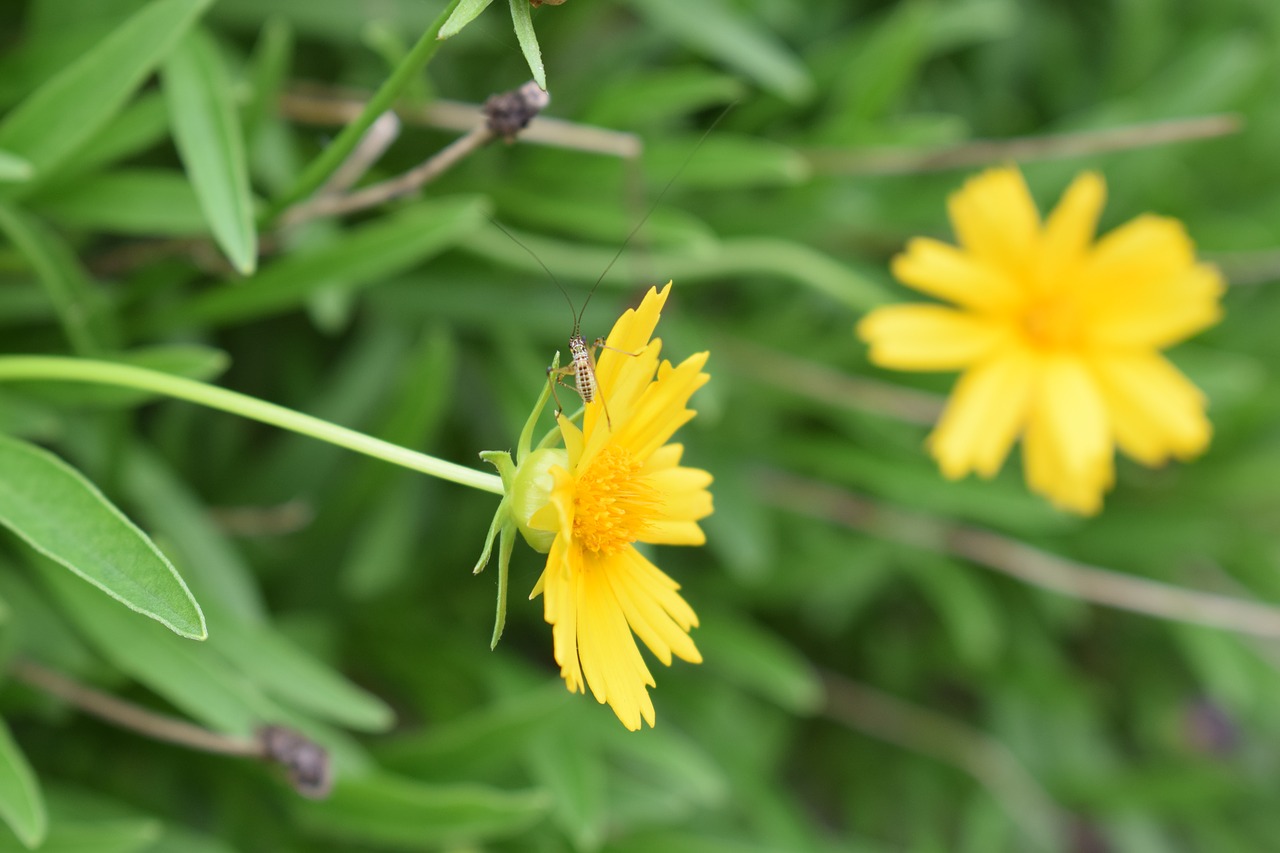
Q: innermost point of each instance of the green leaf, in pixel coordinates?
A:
(140, 126)
(194, 677)
(14, 168)
(154, 202)
(40, 631)
(715, 29)
(465, 13)
(528, 39)
(21, 803)
(661, 95)
(186, 674)
(62, 515)
(496, 732)
(212, 564)
(388, 810)
(363, 256)
(286, 672)
(760, 662)
(573, 772)
(206, 130)
(78, 305)
(273, 56)
(725, 161)
(83, 97)
(119, 835)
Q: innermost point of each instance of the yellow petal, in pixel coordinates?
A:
(984, 415)
(996, 219)
(1148, 249)
(611, 662)
(661, 409)
(1156, 412)
(1157, 313)
(645, 605)
(572, 440)
(666, 456)
(684, 492)
(1069, 230)
(630, 335)
(619, 390)
(930, 337)
(1068, 452)
(946, 272)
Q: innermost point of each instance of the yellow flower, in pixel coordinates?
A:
(1059, 336)
(618, 482)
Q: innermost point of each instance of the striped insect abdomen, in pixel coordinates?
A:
(583, 372)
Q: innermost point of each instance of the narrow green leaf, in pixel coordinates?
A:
(714, 28)
(496, 732)
(389, 810)
(63, 516)
(573, 772)
(140, 126)
(466, 12)
(760, 662)
(76, 103)
(528, 39)
(171, 509)
(119, 835)
(194, 677)
(206, 130)
(273, 55)
(151, 202)
(21, 803)
(78, 305)
(728, 162)
(361, 257)
(14, 168)
(660, 96)
(186, 674)
(40, 631)
(175, 839)
(286, 672)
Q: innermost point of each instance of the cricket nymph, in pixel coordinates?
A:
(584, 373)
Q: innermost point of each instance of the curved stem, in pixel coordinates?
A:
(64, 369)
(332, 157)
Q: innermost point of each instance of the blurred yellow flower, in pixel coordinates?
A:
(621, 483)
(1058, 336)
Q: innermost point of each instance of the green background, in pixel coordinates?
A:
(869, 684)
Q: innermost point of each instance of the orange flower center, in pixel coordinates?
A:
(1053, 322)
(613, 503)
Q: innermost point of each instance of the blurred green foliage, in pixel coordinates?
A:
(864, 689)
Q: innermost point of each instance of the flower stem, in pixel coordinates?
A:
(333, 156)
(64, 369)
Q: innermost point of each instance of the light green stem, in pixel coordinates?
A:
(63, 369)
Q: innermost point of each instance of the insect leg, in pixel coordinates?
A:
(555, 376)
(599, 343)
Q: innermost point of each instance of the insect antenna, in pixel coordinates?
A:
(577, 315)
(636, 230)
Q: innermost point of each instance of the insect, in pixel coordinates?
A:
(582, 356)
(582, 364)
